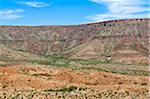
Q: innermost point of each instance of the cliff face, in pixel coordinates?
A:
(95, 40)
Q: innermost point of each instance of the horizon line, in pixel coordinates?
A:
(88, 23)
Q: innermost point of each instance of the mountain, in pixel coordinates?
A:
(118, 40)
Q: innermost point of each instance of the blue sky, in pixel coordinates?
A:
(69, 12)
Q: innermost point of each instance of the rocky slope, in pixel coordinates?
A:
(118, 39)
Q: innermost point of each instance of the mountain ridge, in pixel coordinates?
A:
(88, 23)
(97, 40)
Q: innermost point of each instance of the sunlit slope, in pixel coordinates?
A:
(8, 55)
(118, 39)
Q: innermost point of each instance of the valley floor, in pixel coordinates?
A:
(76, 82)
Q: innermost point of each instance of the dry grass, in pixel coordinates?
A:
(18, 81)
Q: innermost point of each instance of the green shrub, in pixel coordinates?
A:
(70, 89)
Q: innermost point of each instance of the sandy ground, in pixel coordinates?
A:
(45, 82)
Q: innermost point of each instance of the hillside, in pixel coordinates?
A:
(118, 39)
(105, 60)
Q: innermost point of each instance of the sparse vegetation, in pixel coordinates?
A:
(94, 61)
(70, 89)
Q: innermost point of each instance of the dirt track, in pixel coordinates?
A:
(47, 81)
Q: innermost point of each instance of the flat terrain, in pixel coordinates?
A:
(49, 82)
